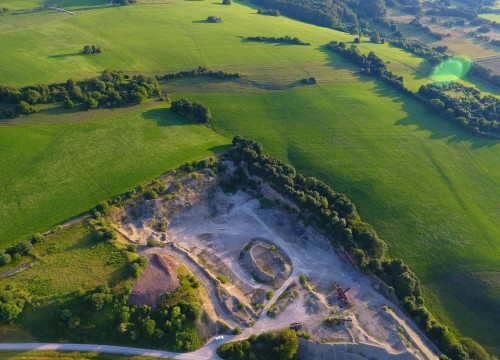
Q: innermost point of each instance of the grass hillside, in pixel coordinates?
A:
(55, 166)
(430, 193)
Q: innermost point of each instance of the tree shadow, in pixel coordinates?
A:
(425, 120)
(417, 114)
(200, 22)
(219, 148)
(62, 56)
(164, 117)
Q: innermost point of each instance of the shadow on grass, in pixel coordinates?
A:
(417, 114)
(200, 22)
(63, 56)
(164, 117)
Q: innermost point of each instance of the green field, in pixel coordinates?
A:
(55, 273)
(430, 190)
(55, 166)
(491, 17)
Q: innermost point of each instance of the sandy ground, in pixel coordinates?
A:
(158, 278)
(204, 221)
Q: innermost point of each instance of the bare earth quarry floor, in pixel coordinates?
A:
(208, 231)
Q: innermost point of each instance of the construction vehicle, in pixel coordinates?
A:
(342, 293)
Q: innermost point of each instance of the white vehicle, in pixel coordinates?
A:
(219, 338)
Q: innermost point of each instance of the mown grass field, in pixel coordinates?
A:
(430, 190)
(57, 165)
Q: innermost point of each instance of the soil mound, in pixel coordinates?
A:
(158, 278)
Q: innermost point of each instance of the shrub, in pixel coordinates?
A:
(36, 238)
(269, 294)
(102, 207)
(150, 195)
(214, 19)
(132, 248)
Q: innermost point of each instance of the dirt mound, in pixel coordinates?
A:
(158, 278)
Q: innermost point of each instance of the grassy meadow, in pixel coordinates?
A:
(57, 165)
(429, 189)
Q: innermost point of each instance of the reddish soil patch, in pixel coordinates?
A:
(158, 278)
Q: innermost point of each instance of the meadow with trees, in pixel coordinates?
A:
(424, 184)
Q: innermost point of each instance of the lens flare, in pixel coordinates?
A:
(452, 69)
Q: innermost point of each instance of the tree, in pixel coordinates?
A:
(5, 259)
(67, 103)
(149, 327)
(90, 103)
(23, 108)
(375, 37)
(9, 312)
(23, 248)
(289, 344)
(37, 238)
(226, 2)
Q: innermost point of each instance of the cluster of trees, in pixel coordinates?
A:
(410, 6)
(337, 216)
(12, 303)
(272, 12)
(17, 251)
(283, 39)
(479, 114)
(460, 11)
(426, 29)
(485, 73)
(113, 88)
(370, 65)
(309, 81)
(266, 346)
(372, 8)
(327, 13)
(433, 55)
(91, 49)
(201, 71)
(214, 19)
(192, 110)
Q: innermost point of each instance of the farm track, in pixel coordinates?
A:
(16, 270)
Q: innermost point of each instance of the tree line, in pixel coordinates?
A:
(200, 72)
(336, 215)
(270, 345)
(283, 40)
(326, 13)
(475, 113)
(111, 89)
